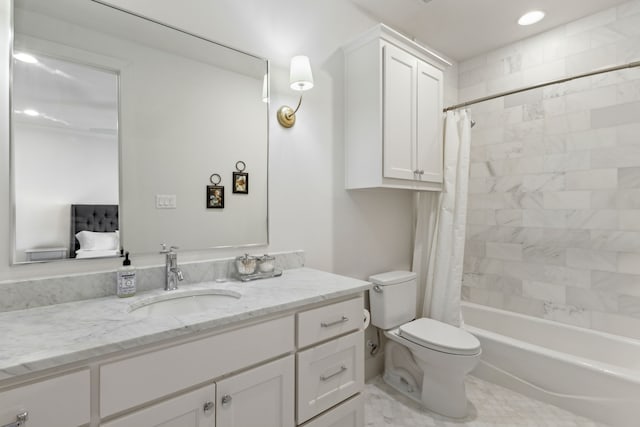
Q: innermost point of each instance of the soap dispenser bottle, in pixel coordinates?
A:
(126, 279)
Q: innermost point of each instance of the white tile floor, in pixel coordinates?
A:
(491, 405)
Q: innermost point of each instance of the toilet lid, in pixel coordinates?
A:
(440, 336)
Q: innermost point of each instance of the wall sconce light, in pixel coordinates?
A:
(300, 79)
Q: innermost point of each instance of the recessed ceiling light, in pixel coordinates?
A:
(25, 57)
(532, 17)
(32, 113)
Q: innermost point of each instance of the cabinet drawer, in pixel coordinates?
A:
(327, 322)
(347, 414)
(187, 410)
(131, 382)
(57, 402)
(328, 374)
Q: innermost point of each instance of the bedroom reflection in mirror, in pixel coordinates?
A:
(65, 159)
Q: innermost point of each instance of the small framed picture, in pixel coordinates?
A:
(215, 197)
(241, 182)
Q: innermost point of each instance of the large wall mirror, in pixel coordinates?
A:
(123, 132)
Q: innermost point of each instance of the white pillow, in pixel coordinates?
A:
(96, 241)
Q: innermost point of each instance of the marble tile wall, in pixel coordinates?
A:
(22, 294)
(554, 204)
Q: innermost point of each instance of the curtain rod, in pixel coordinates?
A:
(539, 85)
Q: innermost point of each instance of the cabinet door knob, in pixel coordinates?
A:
(421, 171)
(21, 420)
(208, 406)
(226, 400)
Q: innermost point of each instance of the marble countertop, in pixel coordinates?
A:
(46, 337)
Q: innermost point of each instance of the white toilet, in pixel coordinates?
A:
(425, 359)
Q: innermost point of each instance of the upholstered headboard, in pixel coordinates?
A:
(102, 218)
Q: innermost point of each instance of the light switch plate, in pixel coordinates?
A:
(166, 201)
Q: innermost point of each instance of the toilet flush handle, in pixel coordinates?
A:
(377, 288)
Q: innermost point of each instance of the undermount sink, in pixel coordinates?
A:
(175, 304)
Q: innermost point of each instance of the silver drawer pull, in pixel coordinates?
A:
(21, 420)
(208, 407)
(328, 377)
(337, 322)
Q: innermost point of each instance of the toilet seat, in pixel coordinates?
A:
(440, 336)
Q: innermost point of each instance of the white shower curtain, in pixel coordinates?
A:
(440, 227)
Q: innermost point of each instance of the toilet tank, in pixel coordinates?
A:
(393, 298)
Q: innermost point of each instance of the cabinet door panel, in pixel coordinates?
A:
(399, 103)
(429, 136)
(186, 410)
(263, 396)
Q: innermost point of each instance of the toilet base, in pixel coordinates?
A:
(445, 395)
(434, 388)
(442, 397)
(400, 384)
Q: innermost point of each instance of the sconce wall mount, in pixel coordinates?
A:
(287, 116)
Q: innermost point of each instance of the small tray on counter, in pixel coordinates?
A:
(259, 275)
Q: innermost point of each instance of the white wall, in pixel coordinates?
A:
(554, 227)
(357, 233)
(59, 168)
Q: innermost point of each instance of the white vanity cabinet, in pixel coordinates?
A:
(56, 402)
(319, 363)
(393, 105)
(297, 367)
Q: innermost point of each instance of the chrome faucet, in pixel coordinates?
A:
(173, 273)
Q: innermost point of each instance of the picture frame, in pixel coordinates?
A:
(215, 197)
(241, 182)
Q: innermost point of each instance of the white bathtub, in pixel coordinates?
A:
(590, 373)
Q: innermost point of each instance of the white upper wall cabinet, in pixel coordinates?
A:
(393, 98)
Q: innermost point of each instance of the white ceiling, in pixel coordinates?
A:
(463, 29)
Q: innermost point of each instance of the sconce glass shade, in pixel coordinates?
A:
(300, 77)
